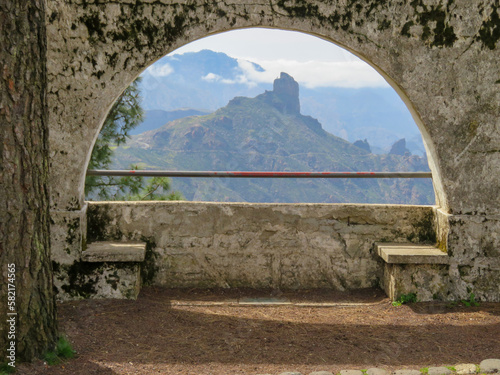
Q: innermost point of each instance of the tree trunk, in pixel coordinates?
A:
(24, 205)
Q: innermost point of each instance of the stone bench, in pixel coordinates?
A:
(115, 268)
(409, 253)
(414, 268)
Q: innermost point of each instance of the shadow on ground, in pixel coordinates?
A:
(170, 331)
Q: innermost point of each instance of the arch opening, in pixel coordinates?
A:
(255, 71)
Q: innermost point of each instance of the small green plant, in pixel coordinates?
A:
(62, 351)
(424, 370)
(51, 358)
(405, 298)
(5, 369)
(471, 301)
(451, 368)
(364, 371)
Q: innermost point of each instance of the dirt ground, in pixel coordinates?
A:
(255, 332)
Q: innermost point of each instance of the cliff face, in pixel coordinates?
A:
(287, 90)
(285, 95)
(399, 148)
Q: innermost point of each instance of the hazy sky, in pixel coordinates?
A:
(271, 44)
(310, 60)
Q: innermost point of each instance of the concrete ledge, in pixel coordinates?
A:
(106, 251)
(405, 253)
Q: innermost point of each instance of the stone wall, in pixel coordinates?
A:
(289, 246)
(441, 56)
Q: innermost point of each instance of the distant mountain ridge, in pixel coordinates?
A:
(200, 80)
(155, 118)
(209, 80)
(269, 133)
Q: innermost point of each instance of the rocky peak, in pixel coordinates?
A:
(399, 148)
(287, 89)
(363, 145)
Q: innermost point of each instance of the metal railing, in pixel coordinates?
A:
(236, 174)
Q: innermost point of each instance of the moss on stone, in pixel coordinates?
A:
(133, 31)
(373, 5)
(436, 31)
(56, 267)
(82, 279)
(442, 246)
(464, 270)
(98, 221)
(473, 126)
(424, 229)
(98, 74)
(112, 59)
(72, 234)
(489, 33)
(221, 13)
(94, 26)
(149, 267)
(74, 203)
(174, 30)
(113, 280)
(299, 8)
(384, 25)
(53, 16)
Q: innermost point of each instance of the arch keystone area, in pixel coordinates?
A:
(442, 58)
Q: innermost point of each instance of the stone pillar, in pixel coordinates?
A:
(68, 239)
(473, 244)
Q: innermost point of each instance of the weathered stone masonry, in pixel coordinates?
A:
(442, 57)
(281, 246)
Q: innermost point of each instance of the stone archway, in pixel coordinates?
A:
(440, 58)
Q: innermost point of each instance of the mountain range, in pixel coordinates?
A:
(269, 133)
(208, 80)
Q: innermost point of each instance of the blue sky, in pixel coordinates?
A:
(312, 61)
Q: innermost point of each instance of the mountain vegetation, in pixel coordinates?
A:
(125, 115)
(208, 80)
(269, 133)
(154, 118)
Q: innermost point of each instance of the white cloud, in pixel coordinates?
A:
(240, 79)
(160, 70)
(263, 43)
(312, 61)
(211, 77)
(311, 74)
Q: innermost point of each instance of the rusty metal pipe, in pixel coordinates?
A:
(237, 174)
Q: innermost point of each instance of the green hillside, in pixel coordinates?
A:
(268, 133)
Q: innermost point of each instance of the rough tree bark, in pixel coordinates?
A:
(24, 206)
